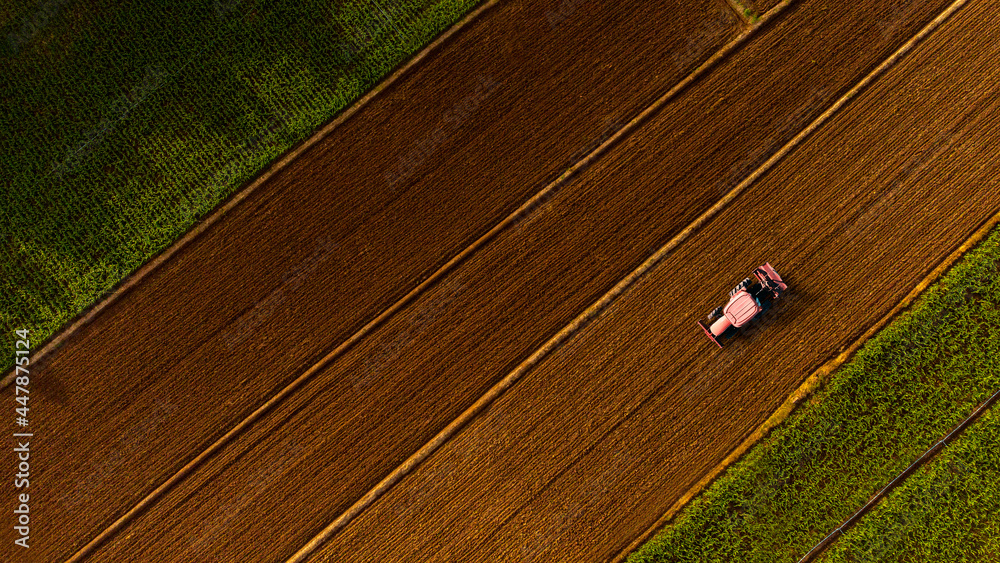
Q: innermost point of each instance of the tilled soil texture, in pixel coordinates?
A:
(333, 240)
(761, 6)
(588, 449)
(376, 404)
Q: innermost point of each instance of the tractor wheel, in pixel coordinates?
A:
(716, 313)
(740, 287)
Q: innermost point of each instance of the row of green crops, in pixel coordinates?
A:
(901, 393)
(124, 122)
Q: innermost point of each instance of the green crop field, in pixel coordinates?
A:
(897, 397)
(947, 511)
(125, 122)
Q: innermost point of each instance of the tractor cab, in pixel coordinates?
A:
(742, 308)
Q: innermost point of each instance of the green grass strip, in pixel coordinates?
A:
(125, 122)
(902, 392)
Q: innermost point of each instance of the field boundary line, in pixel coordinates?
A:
(818, 377)
(581, 320)
(744, 10)
(276, 166)
(899, 479)
(517, 215)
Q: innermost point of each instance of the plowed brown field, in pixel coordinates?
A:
(432, 164)
(593, 444)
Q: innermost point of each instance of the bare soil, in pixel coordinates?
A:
(594, 444)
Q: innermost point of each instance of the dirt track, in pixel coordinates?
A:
(580, 497)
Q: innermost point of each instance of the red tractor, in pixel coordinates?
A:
(747, 300)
